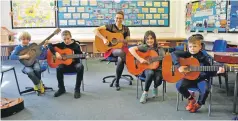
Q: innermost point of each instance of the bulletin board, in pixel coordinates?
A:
(206, 15)
(92, 13)
(232, 16)
(33, 14)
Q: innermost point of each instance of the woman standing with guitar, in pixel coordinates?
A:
(75, 66)
(120, 53)
(150, 43)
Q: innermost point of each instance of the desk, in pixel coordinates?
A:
(232, 54)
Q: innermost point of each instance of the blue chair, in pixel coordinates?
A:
(129, 78)
(44, 66)
(181, 47)
(221, 46)
(74, 73)
(203, 85)
(141, 78)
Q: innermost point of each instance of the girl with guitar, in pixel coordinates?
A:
(194, 50)
(150, 43)
(75, 66)
(118, 27)
(33, 71)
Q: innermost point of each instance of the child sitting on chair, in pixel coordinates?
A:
(34, 71)
(150, 43)
(194, 50)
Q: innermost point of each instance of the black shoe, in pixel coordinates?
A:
(77, 95)
(117, 87)
(59, 92)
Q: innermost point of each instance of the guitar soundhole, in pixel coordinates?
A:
(114, 41)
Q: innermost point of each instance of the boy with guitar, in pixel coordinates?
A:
(194, 50)
(150, 43)
(118, 27)
(33, 71)
(75, 66)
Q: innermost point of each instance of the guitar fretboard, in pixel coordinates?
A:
(208, 68)
(73, 56)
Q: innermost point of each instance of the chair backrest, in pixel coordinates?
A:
(43, 55)
(219, 46)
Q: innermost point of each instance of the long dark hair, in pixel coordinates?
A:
(147, 34)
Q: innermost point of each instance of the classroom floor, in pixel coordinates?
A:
(99, 101)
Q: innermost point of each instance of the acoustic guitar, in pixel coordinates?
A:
(34, 50)
(171, 74)
(67, 57)
(136, 68)
(11, 106)
(116, 40)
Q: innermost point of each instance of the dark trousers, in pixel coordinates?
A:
(120, 63)
(202, 86)
(74, 67)
(151, 75)
(34, 72)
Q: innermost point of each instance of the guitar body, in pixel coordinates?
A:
(172, 78)
(11, 106)
(135, 67)
(113, 39)
(54, 62)
(33, 50)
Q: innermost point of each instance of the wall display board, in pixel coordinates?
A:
(206, 15)
(232, 16)
(33, 13)
(92, 13)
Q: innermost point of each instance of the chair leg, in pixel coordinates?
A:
(137, 85)
(104, 79)
(129, 80)
(86, 64)
(226, 82)
(141, 84)
(48, 69)
(219, 76)
(2, 77)
(111, 85)
(177, 104)
(16, 81)
(163, 88)
(83, 85)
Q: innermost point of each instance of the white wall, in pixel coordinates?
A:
(176, 29)
(176, 22)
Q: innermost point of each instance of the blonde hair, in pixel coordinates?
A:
(194, 39)
(65, 33)
(24, 35)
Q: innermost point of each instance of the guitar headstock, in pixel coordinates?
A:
(57, 31)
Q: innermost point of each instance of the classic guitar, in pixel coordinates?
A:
(67, 57)
(34, 50)
(11, 106)
(171, 74)
(116, 40)
(136, 68)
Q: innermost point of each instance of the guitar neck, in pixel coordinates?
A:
(209, 68)
(42, 43)
(73, 56)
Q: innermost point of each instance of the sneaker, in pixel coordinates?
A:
(117, 87)
(155, 92)
(190, 104)
(36, 88)
(195, 107)
(42, 88)
(77, 95)
(59, 92)
(143, 98)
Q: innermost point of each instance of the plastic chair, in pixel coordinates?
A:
(74, 73)
(142, 77)
(203, 85)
